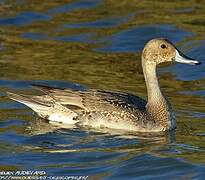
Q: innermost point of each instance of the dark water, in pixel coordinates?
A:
(97, 44)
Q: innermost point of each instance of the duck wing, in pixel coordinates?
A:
(94, 100)
(88, 108)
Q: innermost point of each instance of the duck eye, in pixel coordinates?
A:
(163, 46)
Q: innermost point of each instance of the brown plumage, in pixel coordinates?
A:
(97, 108)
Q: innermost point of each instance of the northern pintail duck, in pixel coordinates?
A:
(97, 108)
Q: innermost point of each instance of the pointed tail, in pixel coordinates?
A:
(34, 103)
(46, 107)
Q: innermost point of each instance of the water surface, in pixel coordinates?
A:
(97, 44)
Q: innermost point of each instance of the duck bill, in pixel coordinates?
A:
(181, 58)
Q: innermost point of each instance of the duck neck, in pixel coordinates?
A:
(153, 90)
(157, 105)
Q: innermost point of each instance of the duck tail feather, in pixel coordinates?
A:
(35, 104)
(45, 89)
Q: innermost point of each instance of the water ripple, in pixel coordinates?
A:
(83, 4)
(24, 18)
(103, 23)
(124, 41)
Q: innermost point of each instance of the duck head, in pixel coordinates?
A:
(160, 50)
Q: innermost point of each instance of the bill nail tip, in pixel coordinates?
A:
(198, 63)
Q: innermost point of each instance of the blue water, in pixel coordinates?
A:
(83, 35)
